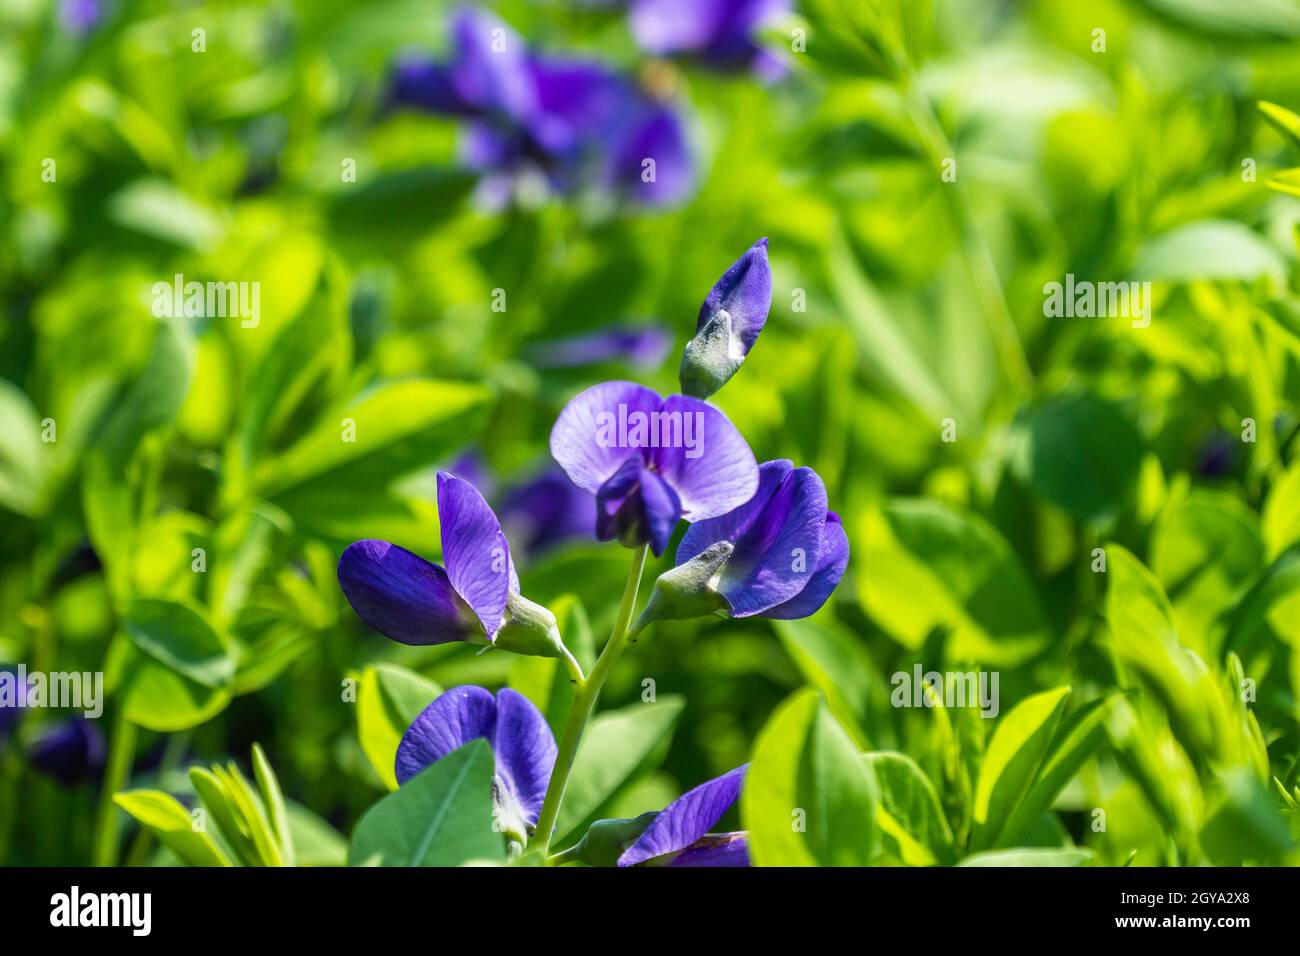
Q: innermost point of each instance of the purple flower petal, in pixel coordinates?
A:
(686, 819)
(653, 133)
(522, 744)
(13, 701)
(662, 27)
(715, 849)
(403, 596)
(635, 506)
(80, 16)
(776, 533)
(720, 32)
(475, 551)
(420, 82)
(490, 70)
(745, 292)
(454, 719)
(546, 511)
(711, 467)
(576, 101)
(525, 751)
(69, 752)
(586, 440)
(644, 347)
(830, 568)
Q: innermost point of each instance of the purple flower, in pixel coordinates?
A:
(731, 316)
(720, 33)
(522, 745)
(567, 122)
(679, 835)
(650, 460)
(643, 347)
(546, 511)
(13, 700)
(787, 551)
(69, 751)
(414, 601)
(79, 17)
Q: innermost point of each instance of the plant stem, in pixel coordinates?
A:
(584, 701)
(121, 751)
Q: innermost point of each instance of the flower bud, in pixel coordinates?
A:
(709, 362)
(605, 840)
(529, 629)
(690, 589)
(730, 319)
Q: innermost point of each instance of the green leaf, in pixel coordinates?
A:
(1246, 826)
(24, 459)
(273, 800)
(389, 698)
(315, 842)
(1280, 516)
(1264, 21)
(809, 797)
(927, 565)
(1145, 641)
(1283, 120)
(171, 669)
(156, 208)
(1029, 856)
(1078, 452)
(181, 638)
(171, 825)
(616, 746)
(1012, 762)
(1205, 551)
(364, 444)
(1076, 741)
(911, 821)
(1207, 250)
(833, 660)
(155, 397)
(214, 790)
(442, 817)
(251, 812)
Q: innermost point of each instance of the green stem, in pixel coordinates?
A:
(570, 855)
(121, 751)
(584, 701)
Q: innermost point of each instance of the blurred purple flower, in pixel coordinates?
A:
(650, 461)
(69, 751)
(13, 700)
(571, 123)
(414, 601)
(79, 17)
(642, 347)
(679, 835)
(719, 33)
(790, 551)
(546, 511)
(522, 745)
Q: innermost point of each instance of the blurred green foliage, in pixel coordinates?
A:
(1113, 530)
